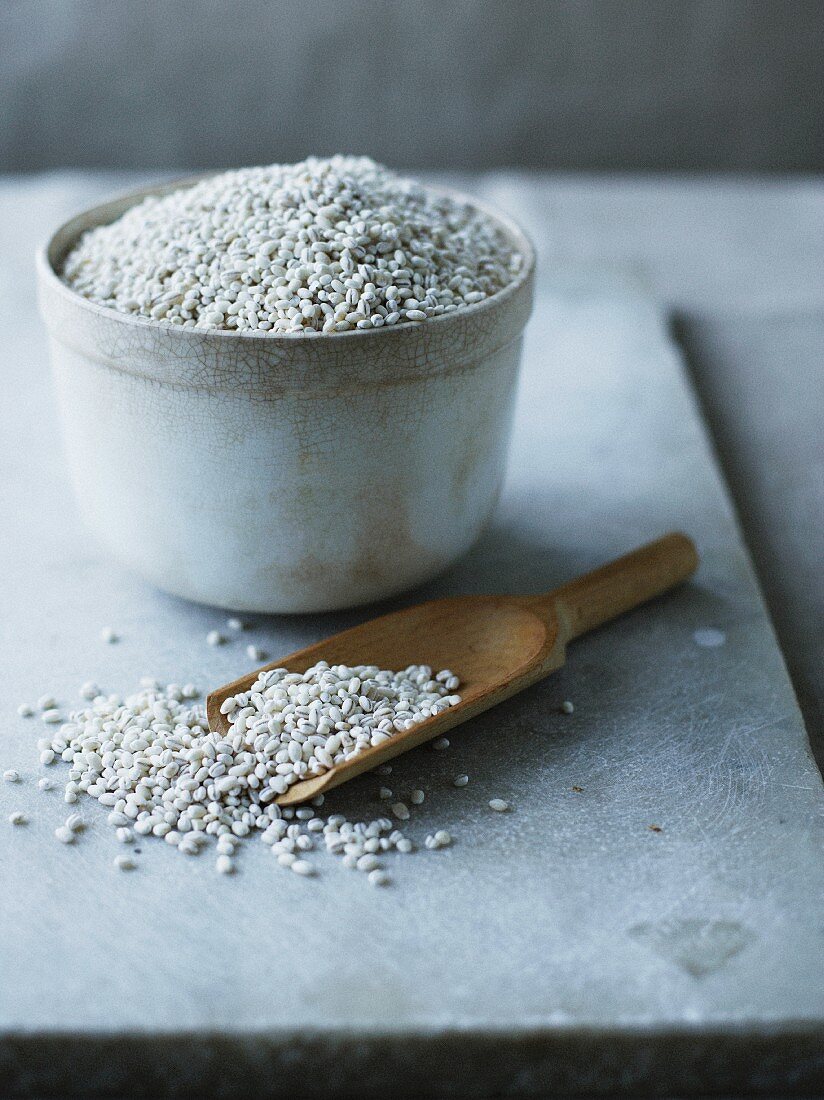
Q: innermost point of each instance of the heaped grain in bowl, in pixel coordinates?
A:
(320, 246)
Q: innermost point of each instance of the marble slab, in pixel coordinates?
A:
(762, 391)
(648, 916)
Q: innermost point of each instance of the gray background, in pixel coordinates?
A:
(584, 84)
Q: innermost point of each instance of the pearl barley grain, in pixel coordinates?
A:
(440, 839)
(214, 637)
(224, 864)
(499, 805)
(326, 245)
(18, 818)
(302, 867)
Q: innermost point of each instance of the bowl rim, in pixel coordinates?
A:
(50, 277)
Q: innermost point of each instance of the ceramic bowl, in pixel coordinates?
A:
(283, 473)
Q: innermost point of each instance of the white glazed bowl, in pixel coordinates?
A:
(284, 473)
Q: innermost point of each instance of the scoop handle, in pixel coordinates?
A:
(596, 598)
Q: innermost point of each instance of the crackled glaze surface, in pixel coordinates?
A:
(284, 473)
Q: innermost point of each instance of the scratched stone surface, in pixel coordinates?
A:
(648, 916)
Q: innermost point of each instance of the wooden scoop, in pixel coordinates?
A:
(497, 645)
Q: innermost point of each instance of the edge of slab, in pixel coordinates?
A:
(687, 1060)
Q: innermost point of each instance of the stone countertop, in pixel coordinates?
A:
(564, 946)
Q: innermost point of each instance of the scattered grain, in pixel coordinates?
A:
(224, 864)
(152, 761)
(302, 867)
(440, 839)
